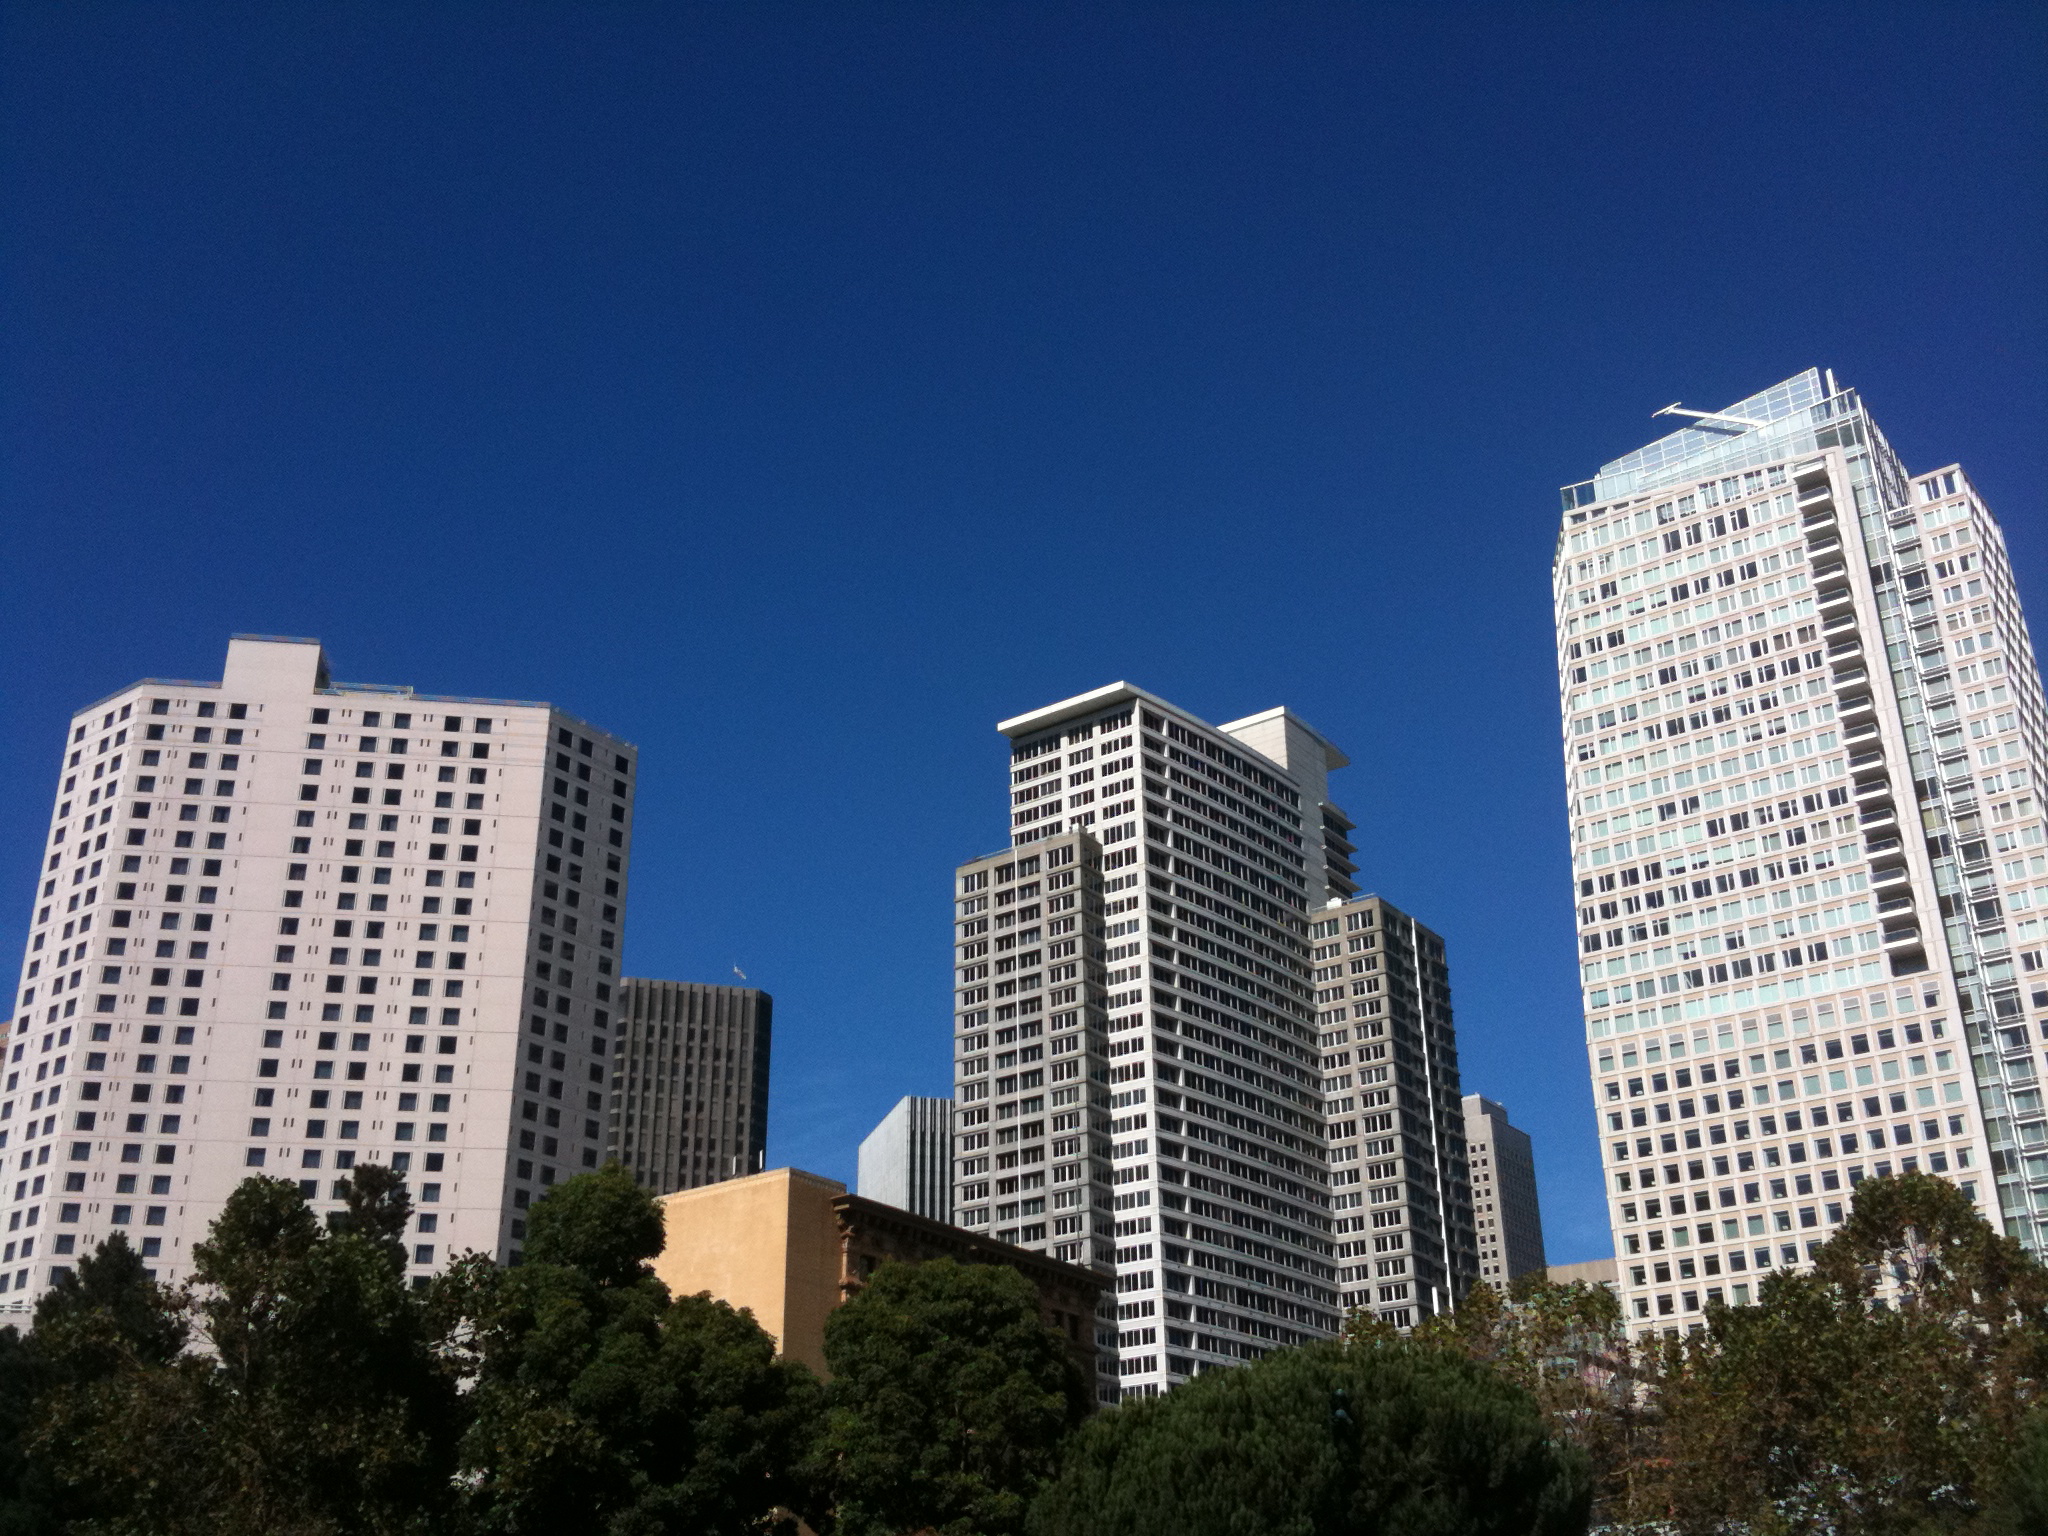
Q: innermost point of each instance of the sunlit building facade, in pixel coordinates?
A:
(1803, 729)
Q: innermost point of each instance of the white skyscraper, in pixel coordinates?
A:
(1139, 1079)
(1804, 734)
(286, 925)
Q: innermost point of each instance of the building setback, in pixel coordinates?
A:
(286, 924)
(907, 1160)
(1507, 1221)
(1804, 732)
(1400, 1192)
(1140, 1082)
(690, 1082)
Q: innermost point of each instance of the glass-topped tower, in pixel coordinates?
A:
(1803, 733)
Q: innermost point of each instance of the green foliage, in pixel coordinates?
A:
(103, 1321)
(948, 1403)
(1887, 1391)
(315, 1407)
(599, 1404)
(298, 1387)
(600, 1223)
(1382, 1439)
(1566, 1347)
(2022, 1508)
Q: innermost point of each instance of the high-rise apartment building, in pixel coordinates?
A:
(689, 1102)
(1505, 1214)
(286, 924)
(1804, 732)
(1140, 1080)
(907, 1160)
(1401, 1203)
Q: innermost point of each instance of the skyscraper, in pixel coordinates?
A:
(1803, 729)
(1504, 1207)
(907, 1160)
(285, 924)
(1400, 1196)
(690, 1082)
(1139, 1072)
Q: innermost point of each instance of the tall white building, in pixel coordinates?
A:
(285, 925)
(1804, 733)
(1139, 1077)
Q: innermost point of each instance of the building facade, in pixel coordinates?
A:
(790, 1247)
(1803, 729)
(907, 1160)
(1139, 1073)
(689, 1101)
(1400, 1191)
(286, 924)
(1507, 1221)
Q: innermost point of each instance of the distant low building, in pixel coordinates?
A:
(907, 1160)
(789, 1246)
(1590, 1272)
(1505, 1215)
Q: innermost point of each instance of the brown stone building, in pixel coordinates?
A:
(790, 1246)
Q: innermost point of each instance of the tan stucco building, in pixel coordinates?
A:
(789, 1246)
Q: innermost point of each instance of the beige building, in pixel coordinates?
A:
(1586, 1272)
(1507, 1221)
(790, 1246)
(285, 925)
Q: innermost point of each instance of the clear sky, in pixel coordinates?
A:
(798, 390)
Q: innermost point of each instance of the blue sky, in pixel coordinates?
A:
(797, 390)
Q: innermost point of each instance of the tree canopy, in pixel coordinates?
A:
(601, 1404)
(1376, 1439)
(948, 1403)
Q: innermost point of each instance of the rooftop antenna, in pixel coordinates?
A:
(1703, 417)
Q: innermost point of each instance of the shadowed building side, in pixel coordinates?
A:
(690, 1082)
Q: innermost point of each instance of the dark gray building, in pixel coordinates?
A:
(1508, 1223)
(690, 1082)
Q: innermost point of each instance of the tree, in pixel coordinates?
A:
(1373, 1439)
(1884, 1392)
(1566, 1346)
(104, 1320)
(948, 1402)
(600, 1404)
(315, 1407)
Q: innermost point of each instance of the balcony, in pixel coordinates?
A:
(1860, 705)
(1880, 820)
(1892, 906)
(1888, 876)
(1874, 791)
(1836, 599)
(1907, 937)
(1822, 491)
(1845, 650)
